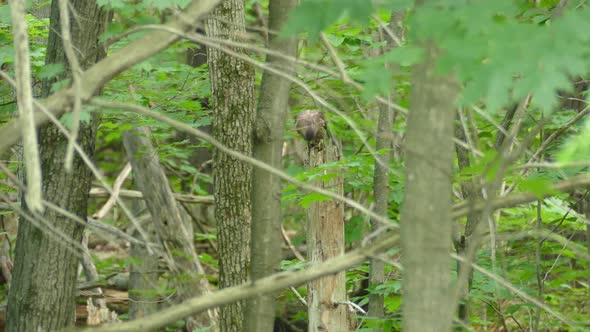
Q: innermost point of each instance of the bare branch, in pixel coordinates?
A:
(24, 96)
(116, 191)
(135, 194)
(66, 38)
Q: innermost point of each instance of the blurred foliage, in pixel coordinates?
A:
(500, 51)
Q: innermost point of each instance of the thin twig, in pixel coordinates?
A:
(388, 30)
(290, 245)
(335, 58)
(66, 38)
(353, 305)
(116, 191)
(299, 297)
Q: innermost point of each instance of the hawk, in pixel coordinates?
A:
(311, 125)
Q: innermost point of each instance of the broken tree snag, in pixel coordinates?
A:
(325, 240)
(170, 223)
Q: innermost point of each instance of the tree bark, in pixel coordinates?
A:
(44, 279)
(426, 214)
(171, 222)
(325, 239)
(266, 188)
(232, 90)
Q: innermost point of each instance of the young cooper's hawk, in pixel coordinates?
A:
(311, 125)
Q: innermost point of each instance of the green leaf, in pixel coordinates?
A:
(358, 10)
(67, 118)
(311, 16)
(353, 229)
(5, 17)
(335, 40)
(51, 70)
(576, 148)
(308, 199)
(60, 84)
(539, 186)
(406, 55)
(378, 80)
(393, 303)
(314, 16)
(397, 5)
(6, 54)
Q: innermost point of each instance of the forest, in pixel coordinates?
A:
(294, 165)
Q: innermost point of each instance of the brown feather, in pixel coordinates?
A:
(311, 125)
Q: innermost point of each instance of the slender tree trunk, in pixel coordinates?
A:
(171, 222)
(326, 297)
(381, 180)
(232, 89)
(575, 100)
(42, 296)
(143, 276)
(426, 222)
(470, 194)
(381, 200)
(266, 188)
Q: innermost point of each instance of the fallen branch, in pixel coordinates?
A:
(262, 286)
(135, 194)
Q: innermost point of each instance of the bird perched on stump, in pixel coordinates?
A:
(311, 125)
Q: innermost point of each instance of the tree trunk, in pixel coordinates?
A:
(470, 194)
(325, 239)
(381, 179)
(426, 223)
(171, 222)
(266, 188)
(143, 276)
(232, 90)
(42, 295)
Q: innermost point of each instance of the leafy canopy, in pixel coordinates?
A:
(498, 50)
